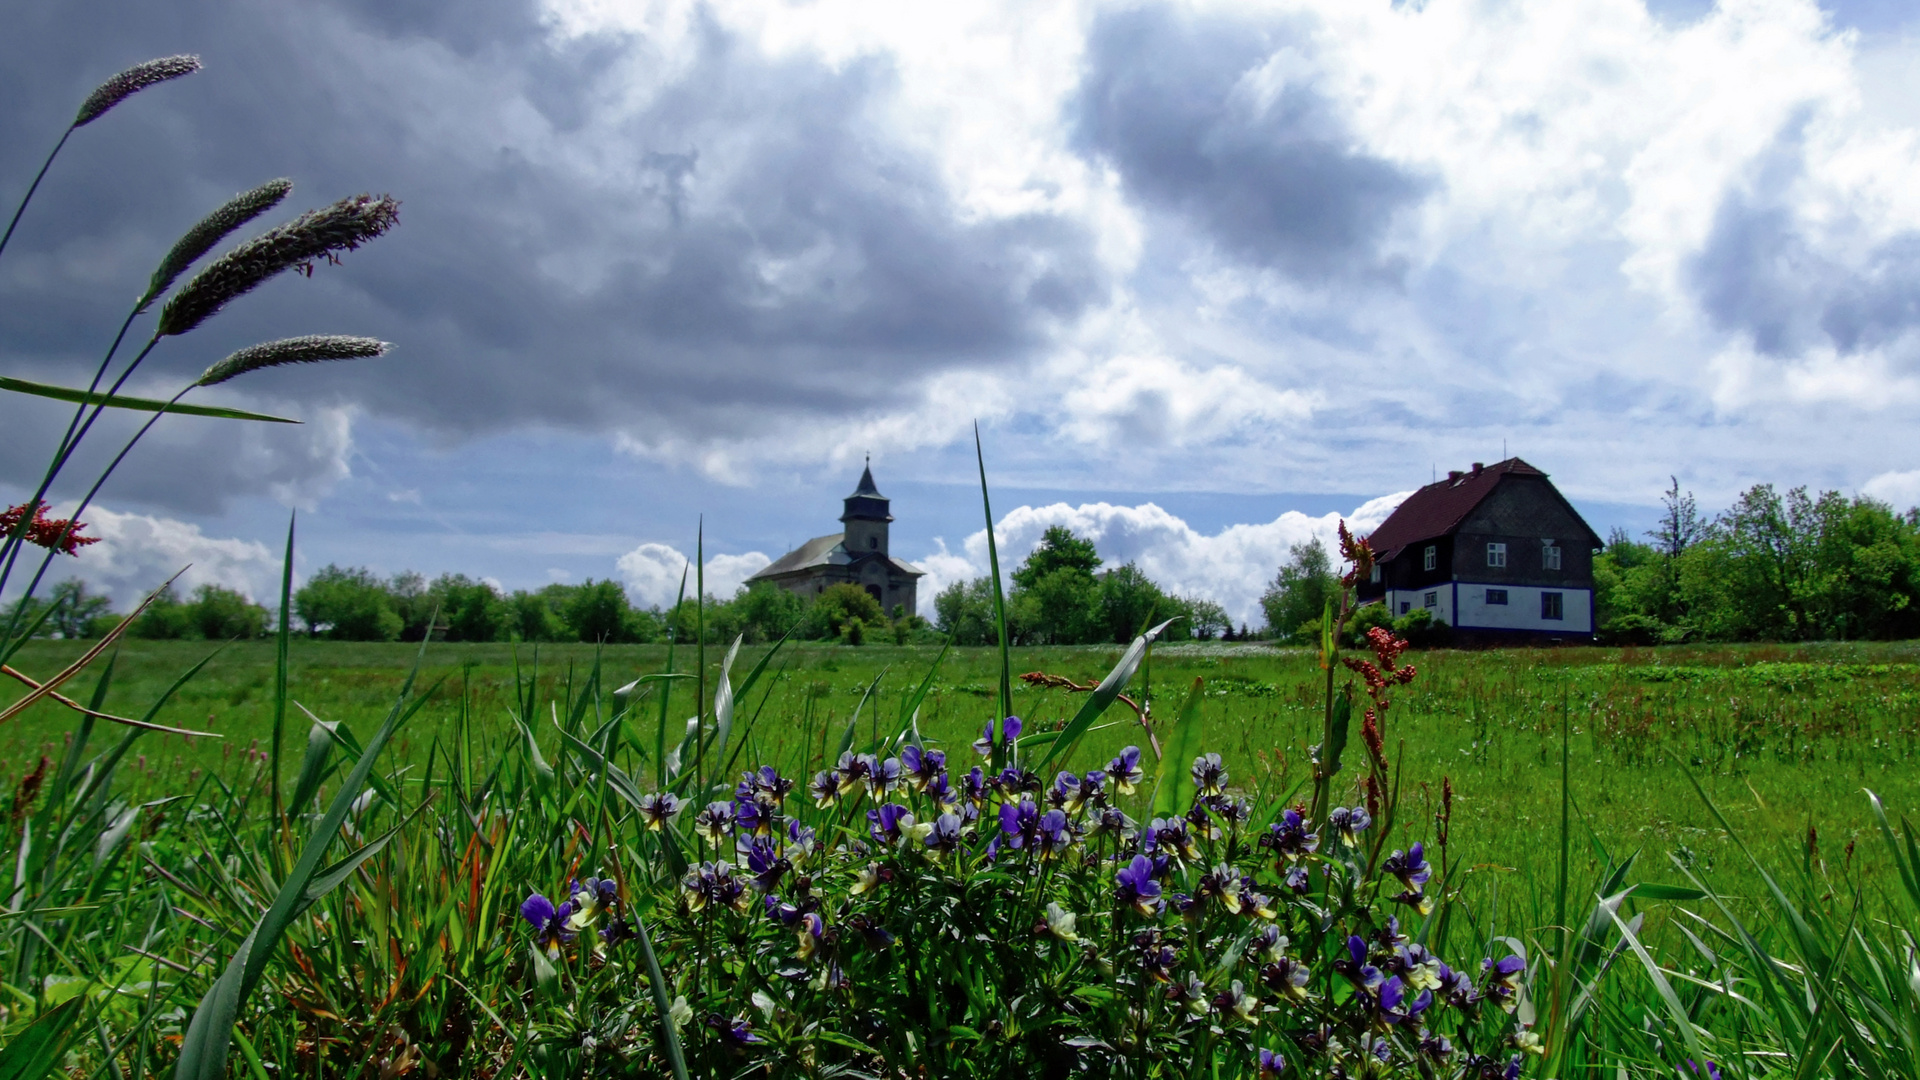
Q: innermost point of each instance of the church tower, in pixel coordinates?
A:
(866, 517)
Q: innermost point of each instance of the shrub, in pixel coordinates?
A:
(1421, 629)
(842, 603)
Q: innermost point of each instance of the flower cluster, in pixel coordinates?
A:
(588, 903)
(54, 534)
(900, 886)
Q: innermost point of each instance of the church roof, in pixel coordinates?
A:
(815, 552)
(866, 484)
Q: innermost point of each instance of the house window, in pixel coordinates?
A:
(1496, 554)
(1433, 556)
(1550, 606)
(1430, 600)
(1497, 596)
(1405, 606)
(1550, 555)
(1375, 576)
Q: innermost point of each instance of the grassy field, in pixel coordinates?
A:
(1784, 739)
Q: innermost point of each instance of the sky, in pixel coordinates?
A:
(1209, 277)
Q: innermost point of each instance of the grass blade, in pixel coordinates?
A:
(122, 401)
(203, 1051)
(1103, 695)
(1173, 786)
(999, 751)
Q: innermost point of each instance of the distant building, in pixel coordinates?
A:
(1496, 553)
(858, 556)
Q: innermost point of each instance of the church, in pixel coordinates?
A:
(857, 556)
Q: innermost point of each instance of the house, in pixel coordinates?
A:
(1496, 552)
(858, 555)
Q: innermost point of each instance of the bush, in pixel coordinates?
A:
(1361, 621)
(840, 604)
(1421, 629)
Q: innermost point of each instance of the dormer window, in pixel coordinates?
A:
(1496, 554)
(1433, 556)
(1549, 555)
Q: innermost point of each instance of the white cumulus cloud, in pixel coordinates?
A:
(1231, 567)
(139, 552)
(652, 573)
(1902, 489)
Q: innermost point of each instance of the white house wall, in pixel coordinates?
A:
(1464, 604)
(1415, 599)
(1522, 609)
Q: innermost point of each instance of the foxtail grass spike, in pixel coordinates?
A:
(132, 81)
(316, 234)
(212, 229)
(310, 349)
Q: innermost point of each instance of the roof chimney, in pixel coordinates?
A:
(1477, 466)
(1453, 475)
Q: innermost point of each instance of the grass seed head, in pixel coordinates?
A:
(132, 81)
(310, 349)
(214, 228)
(316, 234)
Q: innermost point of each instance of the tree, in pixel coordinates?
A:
(221, 614)
(531, 616)
(78, 613)
(1299, 592)
(964, 611)
(347, 605)
(598, 611)
(1059, 607)
(1129, 603)
(1681, 525)
(1059, 550)
(764, 611)
(1207, 620)
(470, 610)
(166, 619)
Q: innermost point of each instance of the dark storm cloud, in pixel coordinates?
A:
(1166, 100)
(746, 248)
(1759, 272)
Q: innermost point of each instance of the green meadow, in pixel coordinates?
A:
(1785, 739)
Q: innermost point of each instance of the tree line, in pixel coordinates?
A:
(1771, 567)
(356, 604)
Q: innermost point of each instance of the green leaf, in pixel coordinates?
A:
(36, 1052)
(1648, 890)
(661, 1002)
(313, 765)
(122, 401)
(1103, 695)
(999, 608)
(723, 703)
(1173, 785)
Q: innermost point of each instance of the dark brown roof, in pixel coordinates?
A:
(1438, 508)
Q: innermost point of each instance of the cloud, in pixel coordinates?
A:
(1901, 489)
(652, 573)
(1231, 567)
(695, 247)
(1219, 120)
(137, 553)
